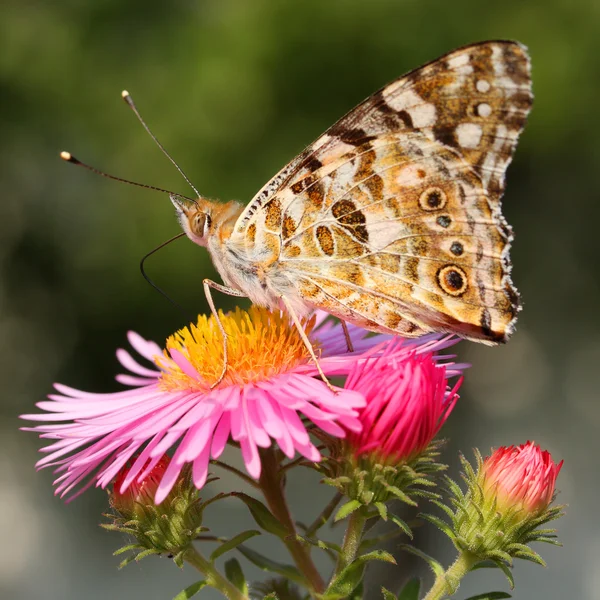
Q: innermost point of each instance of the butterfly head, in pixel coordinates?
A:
(203, 220)
(194, 217)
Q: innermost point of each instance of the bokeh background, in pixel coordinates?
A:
(234, 89)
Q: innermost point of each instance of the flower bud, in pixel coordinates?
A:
(132, 501)
(508, 498)
(393, 455)
(168, 528)
(520, 478)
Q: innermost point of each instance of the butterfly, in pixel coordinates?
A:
(391, 220)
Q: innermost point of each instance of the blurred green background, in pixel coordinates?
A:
(234, 89)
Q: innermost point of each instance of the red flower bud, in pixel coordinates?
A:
(138, 493)
(520, 477)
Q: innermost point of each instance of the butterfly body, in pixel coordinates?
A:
(391, 220)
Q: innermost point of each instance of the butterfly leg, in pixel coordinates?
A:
(306, 341)
(349, 345)
(208, 285)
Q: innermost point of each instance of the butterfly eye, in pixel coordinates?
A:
(198, 224)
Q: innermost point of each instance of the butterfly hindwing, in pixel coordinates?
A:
(392, 219)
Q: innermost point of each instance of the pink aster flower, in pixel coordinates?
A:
(408, 400)
(520, 477)
(270, 384)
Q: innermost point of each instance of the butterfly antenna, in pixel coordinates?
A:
(175, 304)
(68, 157)
(126, 96)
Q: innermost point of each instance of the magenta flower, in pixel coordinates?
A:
(520, 477)
(270, 384)
(408, 400)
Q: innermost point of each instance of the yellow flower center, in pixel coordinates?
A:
(260, 344)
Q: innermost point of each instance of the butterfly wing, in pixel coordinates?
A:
(392, 218)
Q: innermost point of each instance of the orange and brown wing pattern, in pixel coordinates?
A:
(392, 218)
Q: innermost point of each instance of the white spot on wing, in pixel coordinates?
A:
(469, 135)
(422, 113)
(484, 110)
(483, 86)
(458, 61)
(321, 141)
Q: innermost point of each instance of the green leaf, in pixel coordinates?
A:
(345, 582)
(234, 573)
(387, 595)
(350, 577)
(190, 591)
(266, 564)
(377, 555)
(346, 509)
(357, 592)
(435, 566)
(262, 515)
(233, 543)
(490, 596)
(411, 590)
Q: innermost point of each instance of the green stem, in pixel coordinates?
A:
(323, 516)
(352, 539)
(213, 577)
(271, 485)
(447, 583)
(235, 471)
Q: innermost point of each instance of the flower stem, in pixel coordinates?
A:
(213, 577)
(235, 471)
(272, 489)
(352, 539)
(447, 583)
(323, 516)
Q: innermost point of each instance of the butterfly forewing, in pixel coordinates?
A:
(391, 219)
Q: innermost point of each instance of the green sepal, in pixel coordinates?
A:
(235, 575)
(233, 543)
(126, 548)
(496, 564)
(411, 590)
(263, 516)
(350, 578)
(387, 595)
(439, 523)
(266, 564)
(346, 509)
(434, 565)
(191, 590)
(382, 510)
(373, 480)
